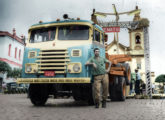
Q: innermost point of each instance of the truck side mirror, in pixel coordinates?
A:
(105, 37)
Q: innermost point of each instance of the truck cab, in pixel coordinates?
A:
(55, 57)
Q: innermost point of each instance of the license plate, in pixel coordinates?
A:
(49, 73)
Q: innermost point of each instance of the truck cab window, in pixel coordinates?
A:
(42, 35)
(73, 32)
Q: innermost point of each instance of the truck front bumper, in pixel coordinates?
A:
(53, 80)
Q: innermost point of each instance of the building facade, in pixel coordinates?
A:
(12, 50)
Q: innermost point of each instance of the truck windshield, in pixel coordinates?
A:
(42, 35)
(74, 32)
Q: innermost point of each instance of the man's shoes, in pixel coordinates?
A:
(103, 104)
(97, 105)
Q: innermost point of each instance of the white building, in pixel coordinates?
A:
(12, 50)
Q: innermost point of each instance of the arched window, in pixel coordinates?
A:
(15, 52)
(137, 39)
(19, 54)
(9, 51)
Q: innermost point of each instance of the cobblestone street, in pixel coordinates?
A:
(18, 107)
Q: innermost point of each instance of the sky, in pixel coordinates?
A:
(21, 14)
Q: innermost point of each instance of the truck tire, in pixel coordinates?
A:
(121, 89)
(76, 94)
(113, 89)
(38, 94)
(127, 73)
(84, 93)
(117, 90)
(91, 100)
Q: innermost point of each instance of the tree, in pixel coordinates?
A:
(160, 79)
(4, 67)
(16, 73)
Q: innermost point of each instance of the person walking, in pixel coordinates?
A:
(131, 87)
(143, 88)
(137, 82)
(100, 77)
(153, 88)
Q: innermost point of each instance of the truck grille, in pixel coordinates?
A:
(53, 60)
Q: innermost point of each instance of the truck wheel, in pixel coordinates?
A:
(112, 89)
(117, 89)
(76, 93)
(38, 94)
(127, 73)
(83, 92)
(121, 89)
(91, 100)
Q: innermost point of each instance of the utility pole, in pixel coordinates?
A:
(147, 62)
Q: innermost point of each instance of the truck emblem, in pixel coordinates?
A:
(53, 44)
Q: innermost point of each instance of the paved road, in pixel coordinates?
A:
(18, 107)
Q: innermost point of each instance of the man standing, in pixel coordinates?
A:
(153, 88)
(100, 77)
(137, 82)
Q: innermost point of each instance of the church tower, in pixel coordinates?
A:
(136, 38)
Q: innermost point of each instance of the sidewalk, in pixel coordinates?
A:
(154, 96)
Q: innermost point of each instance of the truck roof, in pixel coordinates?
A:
(66, 21)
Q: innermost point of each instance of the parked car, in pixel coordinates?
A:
(11, 88)
(21, 88)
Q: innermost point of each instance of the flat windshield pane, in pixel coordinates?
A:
(74, 32)
(42, 35)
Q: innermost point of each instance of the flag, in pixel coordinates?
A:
(134, 12)
(101, 15)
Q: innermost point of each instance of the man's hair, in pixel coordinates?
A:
(96, 49)
(136, 70)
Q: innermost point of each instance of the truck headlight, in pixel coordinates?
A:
(74, 67)
(28, 68)
(31, 68)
